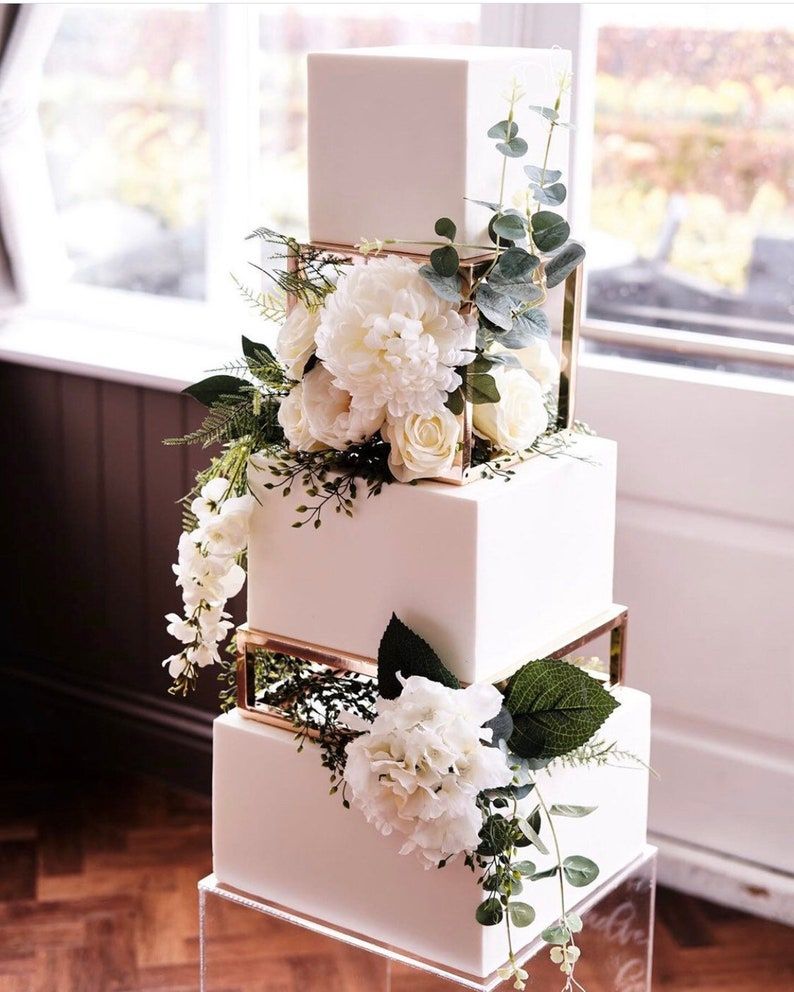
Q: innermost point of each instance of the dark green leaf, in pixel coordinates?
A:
(552, 195)
(556, 707)
(547, 112)
(456, 401)
(447, 287)
(401, 650)
(548, 873)
(521, 914)
(579, 871)
(494, 306)
(501, 725)
(527, 327)
(514, 148)
(496, 835)
(511, 226)
(481, 388)
(542, 177)
(445, 261)
(516, 262)
(525, 868)
(445, 228)
(562, 809)
(210, 390)
(490, 912)
(563, 263)
(549, 230)
(504, 130)
(254, 351)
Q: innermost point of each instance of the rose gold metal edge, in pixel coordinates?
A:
(569, 349)
(616, 627)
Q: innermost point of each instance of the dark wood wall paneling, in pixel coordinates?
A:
(90, 521)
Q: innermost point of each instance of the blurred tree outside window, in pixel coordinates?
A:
(692, 210)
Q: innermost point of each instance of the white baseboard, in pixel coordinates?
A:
(728, 881)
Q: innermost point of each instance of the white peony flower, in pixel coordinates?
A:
(329, 415)
(520, 416)
(226, 532)
(292, 417)
(295, 344)
(423, 445)
(390, 341)
(419, 768)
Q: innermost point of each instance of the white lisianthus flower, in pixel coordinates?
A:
(295, 343)
(292, 417)
(329, 414)
(520, 416)
(181, 628)
(423, 445)
(209, 578)
(226, 532)
(419, 768)
(390, 341)
(214, 624)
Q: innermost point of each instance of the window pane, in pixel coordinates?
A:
(693, 185)
(123, 112)
(287, 32)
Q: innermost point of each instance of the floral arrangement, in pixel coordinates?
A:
(455, 771)
(375, 361)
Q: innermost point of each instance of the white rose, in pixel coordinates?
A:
(539, 360)
(295, 344)
(329, 415)
(422, 763)
(292, 417)
(390, 341)
(423, 445)
(519, 418)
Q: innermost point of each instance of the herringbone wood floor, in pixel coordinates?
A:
(98, 894)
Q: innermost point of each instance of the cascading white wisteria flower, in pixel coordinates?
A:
(209, 575)
(419, 768)
(390, 341)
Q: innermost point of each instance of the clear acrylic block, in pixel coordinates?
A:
(250, 945)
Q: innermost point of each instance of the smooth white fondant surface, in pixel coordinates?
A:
(277, 834)
(398, 137)
(489, 573)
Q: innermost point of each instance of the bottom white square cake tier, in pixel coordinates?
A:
(277, 834)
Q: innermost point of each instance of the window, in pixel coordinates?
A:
(123, 112)
(692, 204)
(170, 130)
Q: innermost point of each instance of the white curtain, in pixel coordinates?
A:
(27, 209)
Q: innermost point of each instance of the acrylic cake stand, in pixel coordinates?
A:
(251, 945)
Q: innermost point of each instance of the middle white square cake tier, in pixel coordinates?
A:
(490, 574)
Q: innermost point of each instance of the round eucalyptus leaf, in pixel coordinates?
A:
(521, 914)
(525, 868)
(514, 148)
(504, 130)
(445, 228)
(549, 230)
(489, 913)
(548, 112)
(447, 287)
(551, 196)
(445, 261)
(540, 176)
(579, 871)
(510, 226)
(516, 262)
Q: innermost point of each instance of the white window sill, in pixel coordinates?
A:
(156, 343)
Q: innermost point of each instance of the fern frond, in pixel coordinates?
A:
(271, 306)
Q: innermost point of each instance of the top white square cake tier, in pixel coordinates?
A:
(491, 574)
(398, 137)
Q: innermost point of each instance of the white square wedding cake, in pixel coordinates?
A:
(428, 535)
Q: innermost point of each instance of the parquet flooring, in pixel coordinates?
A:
(98, 894)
